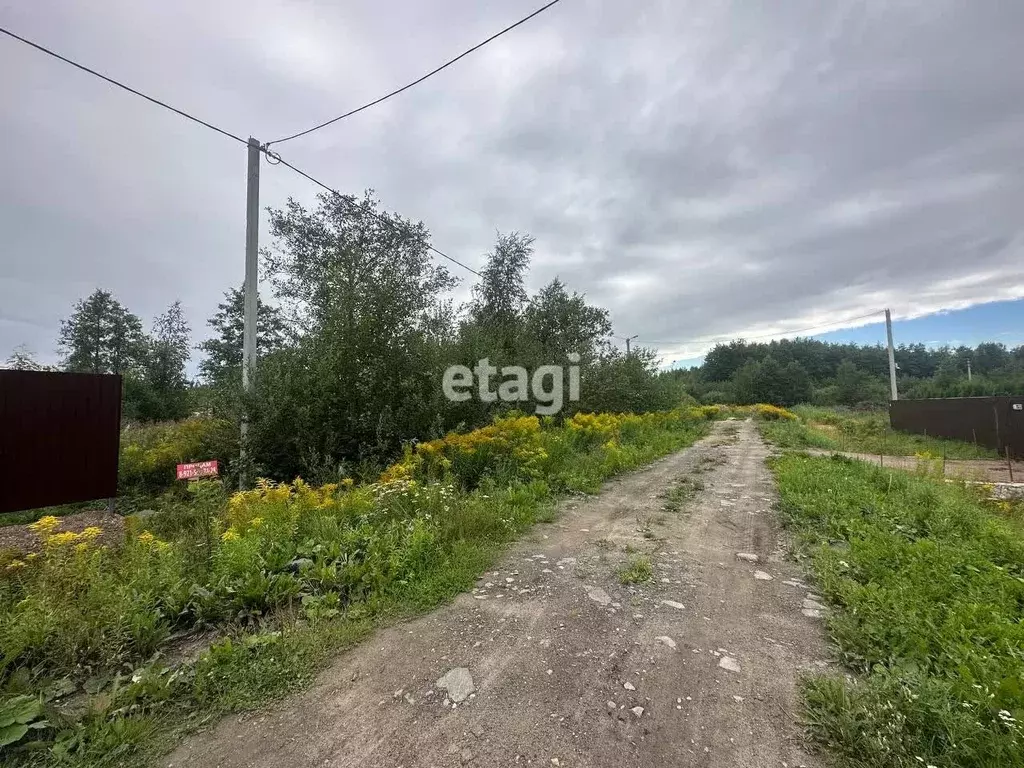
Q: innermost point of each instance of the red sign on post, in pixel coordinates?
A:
(199, 469)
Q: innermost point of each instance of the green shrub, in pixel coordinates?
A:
(149, 454)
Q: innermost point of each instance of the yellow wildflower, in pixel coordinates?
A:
(257, 522)
(229, 535)
(44, 526)
(348, 482)
(15, 565)
(60, 539)
(91, 533)
(280, 493)
(31, 555)
(146, 537)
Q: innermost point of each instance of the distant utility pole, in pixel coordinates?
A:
(629, 339)
(250, 291)
(892, 357)
(968, 370)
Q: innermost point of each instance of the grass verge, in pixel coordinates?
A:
(861, 432)
(926, 580)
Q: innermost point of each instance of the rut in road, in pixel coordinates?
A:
(697, 667)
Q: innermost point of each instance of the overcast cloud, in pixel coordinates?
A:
(701, 169)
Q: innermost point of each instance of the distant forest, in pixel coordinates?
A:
(795, 371)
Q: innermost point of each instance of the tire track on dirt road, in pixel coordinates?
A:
(569, 667)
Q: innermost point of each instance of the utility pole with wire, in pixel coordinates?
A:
(252, 207)
(251, 293)
(629, 339)
(892, 357)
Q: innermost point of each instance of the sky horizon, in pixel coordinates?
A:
(1000, 322)
(702, 170)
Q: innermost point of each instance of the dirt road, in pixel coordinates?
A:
(551, 661)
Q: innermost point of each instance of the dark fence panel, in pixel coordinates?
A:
(995, 422)
(60, 435)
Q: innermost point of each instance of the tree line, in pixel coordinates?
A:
(360, 327)
(353, 343)
(802, 370)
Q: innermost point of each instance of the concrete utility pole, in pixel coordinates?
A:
(968, 370)
(250, 289)
(629, 339)
(892, 358)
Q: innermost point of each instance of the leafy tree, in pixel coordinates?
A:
(500, 298)
(365, 369)
(767, 381)
(22, 359)
(989, 358)
(724, 361)
(223, 351)
(165, 374)
(797, 383)
(101, 336)
(949, 372)
(618, 384)
(851, 384)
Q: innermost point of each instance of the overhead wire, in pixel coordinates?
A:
(416, 82)
(121, 85)
(272, 157)
(275, 159)
(278, 160)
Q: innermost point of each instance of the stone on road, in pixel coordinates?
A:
(563, 665)
(459, 684)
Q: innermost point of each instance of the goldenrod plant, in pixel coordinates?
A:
(284, 574)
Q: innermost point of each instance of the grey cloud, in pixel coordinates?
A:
(701, 169)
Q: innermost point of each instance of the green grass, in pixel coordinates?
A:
(926, 582)
(861, 432)
(638, 570)
(95, 620)
(681, 492)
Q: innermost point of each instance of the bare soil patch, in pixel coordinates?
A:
(980, 470)
(20, 539)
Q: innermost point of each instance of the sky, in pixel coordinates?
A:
(1001, 322)
(703, 170)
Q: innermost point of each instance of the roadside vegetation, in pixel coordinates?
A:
(868, 432)
(925, 581)
(637, 570)
(274, 580)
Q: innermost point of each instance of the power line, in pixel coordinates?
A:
(447, 64)
(121, 85)
(272, 157)
(762, 336)
(276, 160)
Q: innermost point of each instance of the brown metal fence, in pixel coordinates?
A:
(60, 435)
(994, 422)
